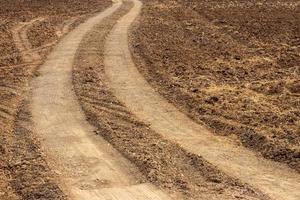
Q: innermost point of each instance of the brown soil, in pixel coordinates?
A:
(232, 66)
(161, 161)
(30, 177)
(24, 173)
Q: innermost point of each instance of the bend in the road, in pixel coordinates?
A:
(132, 89)
(87, 165)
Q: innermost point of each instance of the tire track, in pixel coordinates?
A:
(162, 162)
(88, 166)
(22, 43)
(130, 87)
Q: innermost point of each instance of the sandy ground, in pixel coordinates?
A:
(28, 30)
(132, 89)
(88, 167)
(109, 116)
(232, 66)
(92, 127)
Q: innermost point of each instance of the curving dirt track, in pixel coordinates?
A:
(89, 168)
(236, 76)
(22, 42)
(131, 88)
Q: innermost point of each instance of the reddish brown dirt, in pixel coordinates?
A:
(161, 161)
(232, 66)
(24, 173)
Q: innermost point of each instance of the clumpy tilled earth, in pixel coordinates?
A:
(232, 65)
(162, 162)
(24, 173)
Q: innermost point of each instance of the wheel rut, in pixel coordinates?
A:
(21, 40)
(274, 179)
(86, 165)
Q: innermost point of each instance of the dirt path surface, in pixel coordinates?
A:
(238, 77)
(131, 88)
(22, 42)
(87, 165)
(162, 162)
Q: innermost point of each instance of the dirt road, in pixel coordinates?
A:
(130, 87)
(88, 167)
